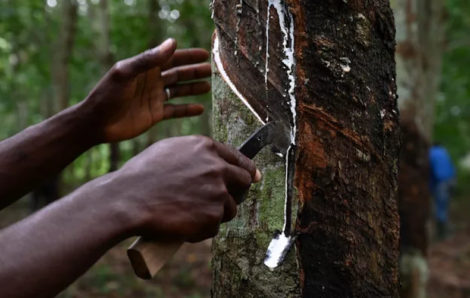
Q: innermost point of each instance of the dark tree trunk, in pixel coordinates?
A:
(64, 49)
(157, 30)
(49, 191)
(343, 76)
(419, 55)
(103, 47)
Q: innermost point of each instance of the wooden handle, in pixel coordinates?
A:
(148, 257)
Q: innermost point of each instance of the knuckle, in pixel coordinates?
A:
(203, 141)
(207, 142)
(215, 170)
(221, 191)
(118, 69)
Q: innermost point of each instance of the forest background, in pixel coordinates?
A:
(53, 52)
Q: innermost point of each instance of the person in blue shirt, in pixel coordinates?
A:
(442, 180)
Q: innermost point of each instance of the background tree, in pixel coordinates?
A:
(420, 34)
(346, 166)
(28, 34)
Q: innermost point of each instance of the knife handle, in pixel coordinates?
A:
(147, 257)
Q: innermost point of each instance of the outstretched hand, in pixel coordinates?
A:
(132, 95)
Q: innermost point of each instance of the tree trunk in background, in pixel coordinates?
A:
(157, 29)
(103, 47)
(419, 55)
(50, 190)
(347, 147)
(63, 53)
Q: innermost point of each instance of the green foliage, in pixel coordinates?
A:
(29, 35)
(452, 125)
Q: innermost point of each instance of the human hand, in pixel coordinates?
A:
(183, 188)
(131, 97)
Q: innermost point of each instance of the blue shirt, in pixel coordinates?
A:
(442, 168)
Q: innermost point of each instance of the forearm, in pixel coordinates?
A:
(43, 150)
(45, 252)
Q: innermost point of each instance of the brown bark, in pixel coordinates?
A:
(103, 47)
(63, 53)
(419, 56)
(346, 165)
(49, 191)
(419, 53)
(156, 28)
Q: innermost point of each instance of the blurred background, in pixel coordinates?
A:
(53, 52)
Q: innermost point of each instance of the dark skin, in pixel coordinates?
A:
(177, 189)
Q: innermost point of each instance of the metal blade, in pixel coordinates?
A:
(257, 141)
(271, 133)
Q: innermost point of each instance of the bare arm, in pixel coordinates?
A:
(177, 189)
(126, 102)
(42, 150)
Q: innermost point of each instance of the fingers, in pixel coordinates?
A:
(149, 59)
(235, 157)
(189, 89)
(182, 110)
(186, 73)
(185, 57)
(230, 209)
(238, 181)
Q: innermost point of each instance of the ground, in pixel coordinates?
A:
(449, 260)
(188, 274)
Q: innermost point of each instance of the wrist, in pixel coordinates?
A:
(86, 123)
(110, 200)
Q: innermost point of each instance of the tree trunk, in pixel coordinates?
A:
(63, 52)
(49, 191)
(103, 46)
(332, 63)
(157, 29)
(419, 57)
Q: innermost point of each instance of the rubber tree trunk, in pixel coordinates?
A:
(419, 56)
(333, 61)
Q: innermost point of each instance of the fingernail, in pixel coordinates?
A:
(258, 176)
(168, 42)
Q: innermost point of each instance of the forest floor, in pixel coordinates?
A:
(188, 273)
(449, 260)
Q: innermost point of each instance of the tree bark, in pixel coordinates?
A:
(157, 29)
(63, 53)
(49, 191)
(103, 47)
(347, 146)
(419, 57)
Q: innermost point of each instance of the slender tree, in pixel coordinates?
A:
(420, 33)
(157, 28)
(103, 46)
(50, 189)
(330, 64)
(64, 47)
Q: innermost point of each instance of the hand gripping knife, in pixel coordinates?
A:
(147, 256)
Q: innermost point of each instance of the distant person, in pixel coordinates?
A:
(442, 181)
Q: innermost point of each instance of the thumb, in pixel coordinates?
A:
(149, 59)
